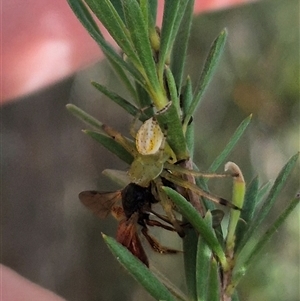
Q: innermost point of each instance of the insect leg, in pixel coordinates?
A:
(155, 245)
(167, 205)
(181, 170)
(155, 223)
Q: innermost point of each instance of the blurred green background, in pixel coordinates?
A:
(50, 238)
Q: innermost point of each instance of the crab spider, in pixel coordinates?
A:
(150, 150)
(153, 156)
(153, 165)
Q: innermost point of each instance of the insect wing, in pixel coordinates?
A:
(101, 203)
(127, 236)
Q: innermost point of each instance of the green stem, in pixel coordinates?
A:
(238, 194)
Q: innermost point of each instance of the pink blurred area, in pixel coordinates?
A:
(43, 42)
(16, 288)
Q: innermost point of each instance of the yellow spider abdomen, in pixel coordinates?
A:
(149, 137)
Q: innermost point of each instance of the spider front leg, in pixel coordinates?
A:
(120, 139)
(193, 187)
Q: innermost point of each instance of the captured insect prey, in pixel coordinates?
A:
(131, 206)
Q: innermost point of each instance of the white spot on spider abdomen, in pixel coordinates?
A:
(149, 137)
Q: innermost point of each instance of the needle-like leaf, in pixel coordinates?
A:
(138, 270)
(110, 18)
(230, 145)
(190, 251)
(203, 264)
(269, 202)
(117, 62)
(138, 29)
(111, 145)
(179, 50)
(173, 12)
(186, 99)
(213, 290)
(207, 73)
(192, 215)
(85, 117)
(125, 104)
(248, 260)
(248, 210)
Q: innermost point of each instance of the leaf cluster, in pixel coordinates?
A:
(151, 66)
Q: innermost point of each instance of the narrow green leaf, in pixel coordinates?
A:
(117, 4)
(118, 69)
(144, 6)
(173, 289)
(144, 99)
(248, 210)
(262, 191)
(111, 145)
(118, 64)
(106, 141)
(186, 99)
(178, 18)
(126, 105)
(208, 70)
(109, 17)
(189, 255)
(85, 117)
(169, 18)
(140, 37)
(179, 50)
(249, 259)
(138, 270)
(214, 282)
(83, 15)
(202, 269)
(192, 215)
(250, 200)
(202, 182)
(186, 96)
(173, 12)
(230, 145)
(269, 202)
(170, 123)
(172, 89)
(152, 12)
(204, 257)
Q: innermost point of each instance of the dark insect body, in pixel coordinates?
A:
(134, 210)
